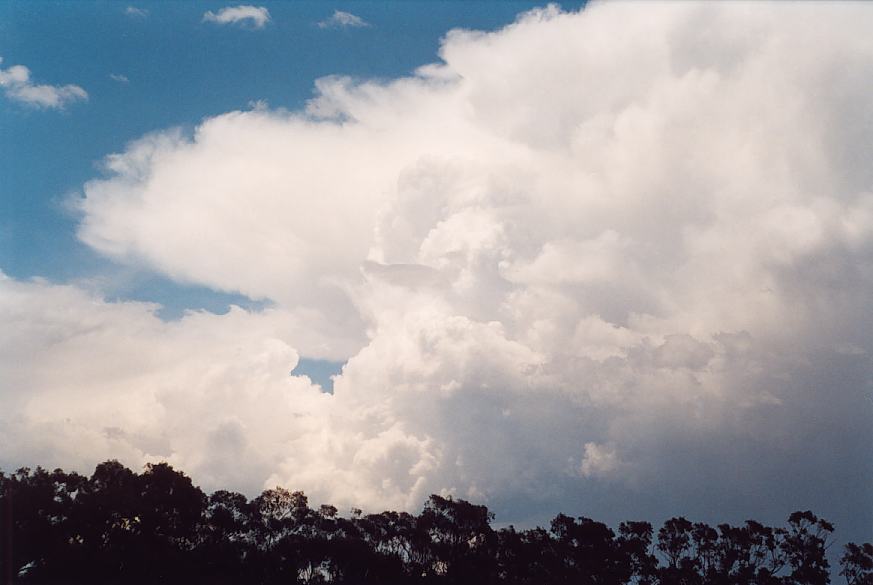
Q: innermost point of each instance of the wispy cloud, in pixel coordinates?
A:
(135, 12)
(341, 19)
(17, 86)
(119, 78)
(256, 16)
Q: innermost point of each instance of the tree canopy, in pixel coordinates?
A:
(123, 527)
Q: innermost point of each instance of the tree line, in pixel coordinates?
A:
(120, 527)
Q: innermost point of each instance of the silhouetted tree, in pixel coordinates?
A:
(750, 554)
(675, 539)
(120, 527)
(224, 542)
(461, 540)
(588, 552)
(804, 543)
(635, 542)
(525, 558)
(856, 564)
(44, 544)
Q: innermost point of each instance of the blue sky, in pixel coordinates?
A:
(613, 261)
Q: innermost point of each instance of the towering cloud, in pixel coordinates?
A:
(621, 258)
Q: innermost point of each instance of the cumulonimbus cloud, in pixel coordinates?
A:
(17, 85)
(621, 257)
(255, 16)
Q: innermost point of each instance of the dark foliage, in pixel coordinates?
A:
(120, 527)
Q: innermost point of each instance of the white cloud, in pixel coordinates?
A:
(600, 258)
(599, 461)
(135, 12)
(17, 85)
(143, 379)
(256, 16)
(119, 78)
(340, 19)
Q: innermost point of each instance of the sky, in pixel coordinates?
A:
(612, 260)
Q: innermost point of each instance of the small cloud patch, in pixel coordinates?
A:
(341, 19)
(135, 12)
(16, 84)
(254, 16)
